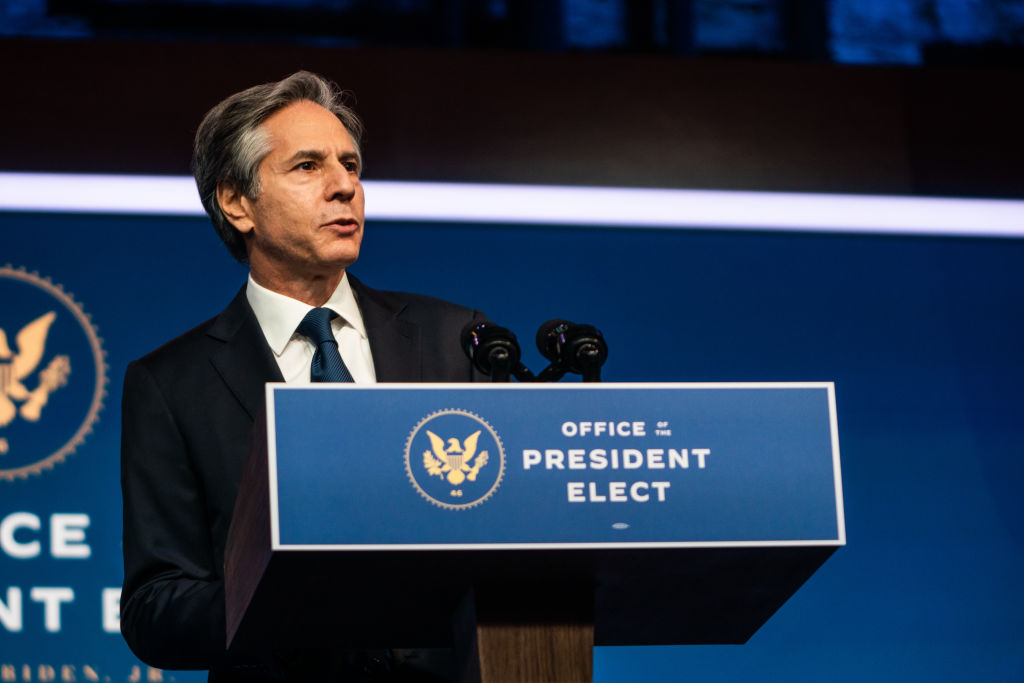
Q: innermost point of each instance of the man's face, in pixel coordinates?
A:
(308, 219)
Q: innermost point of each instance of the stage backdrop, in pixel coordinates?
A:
(923, 336)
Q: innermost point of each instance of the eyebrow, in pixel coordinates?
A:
(314, 154)
(318, 155)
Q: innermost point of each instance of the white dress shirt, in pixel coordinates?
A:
(279, 315)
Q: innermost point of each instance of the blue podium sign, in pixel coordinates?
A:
(516, 466)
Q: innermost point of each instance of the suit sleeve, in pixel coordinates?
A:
(172, 604)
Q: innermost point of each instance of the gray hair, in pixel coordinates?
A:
(231, 141)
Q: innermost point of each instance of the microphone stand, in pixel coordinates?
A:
(590, 359)
(500, 361)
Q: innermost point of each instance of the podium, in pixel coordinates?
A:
(524, 524)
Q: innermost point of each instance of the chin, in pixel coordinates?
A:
(342, 261)
(342, 251)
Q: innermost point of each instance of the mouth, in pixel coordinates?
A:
(343, 226)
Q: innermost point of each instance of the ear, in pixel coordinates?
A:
(235, 206)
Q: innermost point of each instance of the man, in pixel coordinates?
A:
(277, 168)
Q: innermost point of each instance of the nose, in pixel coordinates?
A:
(340, 182)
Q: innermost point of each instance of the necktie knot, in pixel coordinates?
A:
(317, 325)
(327, 364)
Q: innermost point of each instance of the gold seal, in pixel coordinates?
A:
(461, 461)
(22, 365)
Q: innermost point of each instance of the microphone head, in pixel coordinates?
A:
(551, 338)
(584, 345)
(570, 345)
(482, 339)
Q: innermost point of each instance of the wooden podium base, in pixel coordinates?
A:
(499, 651)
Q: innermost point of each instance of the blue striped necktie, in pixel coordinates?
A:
(327, 363)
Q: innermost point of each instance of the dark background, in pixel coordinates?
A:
(921, 97)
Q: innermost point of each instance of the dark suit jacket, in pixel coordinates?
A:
(187, 414)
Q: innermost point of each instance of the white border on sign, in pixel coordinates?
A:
(275, 527)
(275, 537)
(834, 428)
(555, 205)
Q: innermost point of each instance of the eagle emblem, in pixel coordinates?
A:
(16, 367)
(448, 469)
(458, 461)
(45, 334)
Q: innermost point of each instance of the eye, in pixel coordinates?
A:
(351, 166)
(306, 166)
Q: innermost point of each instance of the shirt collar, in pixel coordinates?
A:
(279, 315)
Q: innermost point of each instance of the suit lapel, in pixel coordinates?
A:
(394, 343)
(245, 361)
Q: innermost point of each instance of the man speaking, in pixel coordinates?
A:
(278, 170)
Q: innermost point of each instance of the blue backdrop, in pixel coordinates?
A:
(923, 336)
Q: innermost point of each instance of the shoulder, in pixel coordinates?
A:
(203, 340)
(410, 306)
(415, 337)
(178, 350)
(422, 302)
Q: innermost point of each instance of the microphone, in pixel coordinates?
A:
(551, 338)
(492, 349)
(571, 347)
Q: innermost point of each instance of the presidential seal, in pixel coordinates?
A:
(454, 459)
(53, 374)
